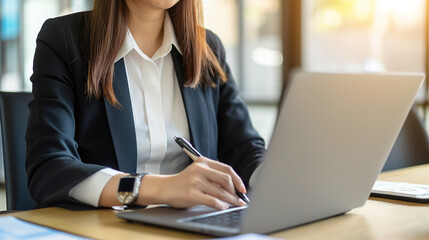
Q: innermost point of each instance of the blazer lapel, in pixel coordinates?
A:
(121, 122)
(195, 105)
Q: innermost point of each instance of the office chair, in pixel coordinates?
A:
(411, 147)
(13, 116)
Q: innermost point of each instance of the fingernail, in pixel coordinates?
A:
(242, 203)
(225, 206)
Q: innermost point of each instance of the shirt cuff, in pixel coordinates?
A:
(89, 190)
(253, 176)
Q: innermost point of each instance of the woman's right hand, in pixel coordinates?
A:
(204, 182)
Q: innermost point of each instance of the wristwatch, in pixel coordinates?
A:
(128, 189)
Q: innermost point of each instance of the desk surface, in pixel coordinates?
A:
(377, 219)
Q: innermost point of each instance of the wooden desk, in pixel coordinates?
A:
(377, 219)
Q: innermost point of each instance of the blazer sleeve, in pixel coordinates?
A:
(239, 144)
(52, 160)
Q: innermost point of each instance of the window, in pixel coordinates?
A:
(364, 35)
(9, 43)
(251, 33)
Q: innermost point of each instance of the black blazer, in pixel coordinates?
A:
(69, 136)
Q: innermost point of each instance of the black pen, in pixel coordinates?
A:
(194, 154)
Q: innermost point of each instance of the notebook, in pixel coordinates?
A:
(332, 137)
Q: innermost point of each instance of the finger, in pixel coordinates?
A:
(220, 178)
(208, 200)
(218, 192)
(238, 183)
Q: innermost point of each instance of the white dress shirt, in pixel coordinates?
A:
(158, 111)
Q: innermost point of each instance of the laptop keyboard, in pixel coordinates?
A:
(228, 219)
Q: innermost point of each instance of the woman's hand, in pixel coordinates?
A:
(205, 182)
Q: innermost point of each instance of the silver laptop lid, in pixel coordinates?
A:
(333, 135)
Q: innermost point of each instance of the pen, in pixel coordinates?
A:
(194, 154)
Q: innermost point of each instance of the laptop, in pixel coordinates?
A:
(333, 135)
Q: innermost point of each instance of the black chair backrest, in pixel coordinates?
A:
(14, 116)
(411, 147)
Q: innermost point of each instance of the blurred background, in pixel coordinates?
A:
(264, 40)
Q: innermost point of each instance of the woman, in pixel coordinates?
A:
(113, 86)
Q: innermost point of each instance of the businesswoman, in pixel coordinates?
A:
(113, 86)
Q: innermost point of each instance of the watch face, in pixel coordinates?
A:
(126, 184)
(128, 189)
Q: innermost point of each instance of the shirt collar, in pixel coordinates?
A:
(168, 41)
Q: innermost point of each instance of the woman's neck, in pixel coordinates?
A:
(147, 25)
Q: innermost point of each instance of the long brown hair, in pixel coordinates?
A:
(107, 28)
